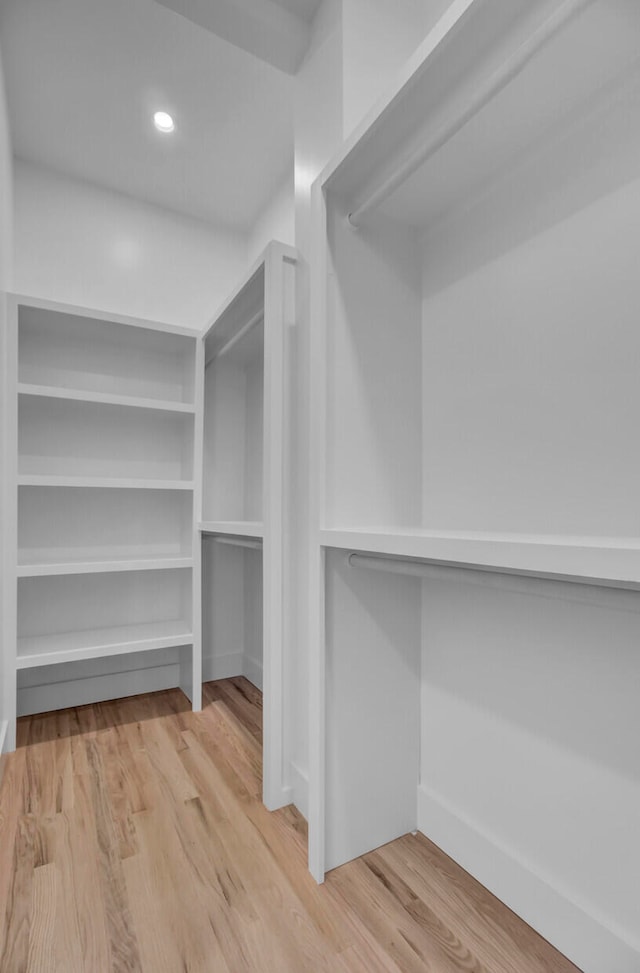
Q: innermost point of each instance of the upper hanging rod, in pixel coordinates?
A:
(588, 590)
(511, 68)
(254, 545)
(238, 336)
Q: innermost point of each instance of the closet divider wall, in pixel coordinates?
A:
(103, 431)
(474, 400)
(246, 498)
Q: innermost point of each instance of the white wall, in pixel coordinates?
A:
(6, 266)
(378, 36)
(81, 244)
(530, 720)
(276, 222)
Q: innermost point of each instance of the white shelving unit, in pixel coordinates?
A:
(245, 493)
(474, 397)
(103, 428)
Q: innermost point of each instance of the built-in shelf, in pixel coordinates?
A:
(58, 566)
(233, 528)
(610, 561)
(105, 398)
(46, 650)
(98, 482)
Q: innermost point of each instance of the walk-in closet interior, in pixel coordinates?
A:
(351, 451)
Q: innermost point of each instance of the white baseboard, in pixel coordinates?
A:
(585, 939)
(252, 671)
(299, 790)
(222, 666)
(96, 688)
(4, 726)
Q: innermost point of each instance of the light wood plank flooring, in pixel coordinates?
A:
(133, 838)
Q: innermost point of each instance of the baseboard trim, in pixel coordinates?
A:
(96, 688)
(222, 666)
(582, 937)
(252, 671)
(4, 727)
(299, 790)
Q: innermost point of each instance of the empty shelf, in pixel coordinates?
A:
(609, 561)
(233, 528)
(46, 650)
(106, 398)
(59, 565)
(120, 483)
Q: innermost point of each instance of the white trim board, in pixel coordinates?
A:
(299, 790)
(97, 688)
(579, 935)
(4, 726)
(78, 311)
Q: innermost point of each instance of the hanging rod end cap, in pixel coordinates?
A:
(351, 222)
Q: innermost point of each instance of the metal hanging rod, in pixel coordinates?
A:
(502, 77)
(585, 591)
(254, 545)
(257, 318)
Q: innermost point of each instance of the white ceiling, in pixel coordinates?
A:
(84, 77)
(278, 31)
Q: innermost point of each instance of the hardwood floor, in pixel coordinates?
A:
(133, 838)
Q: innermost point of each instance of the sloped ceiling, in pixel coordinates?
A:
(84, 77)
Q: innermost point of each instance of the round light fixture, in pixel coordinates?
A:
(163, 122)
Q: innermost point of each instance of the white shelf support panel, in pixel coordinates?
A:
(243, 509)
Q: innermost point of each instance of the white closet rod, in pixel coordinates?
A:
(586, 592)
(239, 542)
(238, 336)
(511, 68)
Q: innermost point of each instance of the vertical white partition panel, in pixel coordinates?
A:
(244, 520)
(373, 627)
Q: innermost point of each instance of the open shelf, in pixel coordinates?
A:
(62, 617)
(233, 528)
(44, 569)
(610, 561)
(47, 650)
(103, 482)
(76, 352)
(61, 437)
(491, 85)
(105, 398)
(71, 526)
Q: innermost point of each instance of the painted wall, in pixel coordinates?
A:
(276, 222)
(530, 754)
(6, 267)
(377, 37)
(81, 244)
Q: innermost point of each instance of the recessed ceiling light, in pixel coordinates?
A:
(163, 122)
